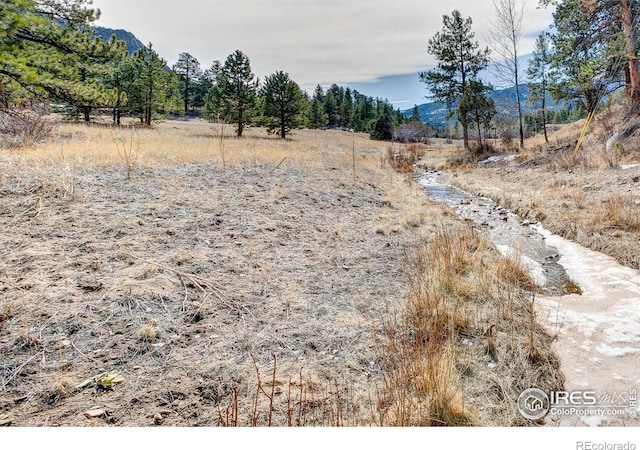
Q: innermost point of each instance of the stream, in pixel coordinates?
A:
(588, 300)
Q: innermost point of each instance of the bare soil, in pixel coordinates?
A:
(186, 280)
(233, 282)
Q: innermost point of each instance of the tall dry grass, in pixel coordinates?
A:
(465, 343)
(174, 142)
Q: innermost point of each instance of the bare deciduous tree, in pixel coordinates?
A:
(505, 40)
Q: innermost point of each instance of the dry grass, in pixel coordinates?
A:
(403, 158)
(176, 269)
(457, 352)
(179, 142)
(237, 282)
(583, 196)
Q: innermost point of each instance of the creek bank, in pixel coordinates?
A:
(513, 236)
(588, 302)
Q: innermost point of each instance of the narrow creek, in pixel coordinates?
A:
(588, 300)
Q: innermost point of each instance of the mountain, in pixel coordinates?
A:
(129, 38)
(434, 113)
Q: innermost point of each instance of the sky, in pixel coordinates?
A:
(377, 46)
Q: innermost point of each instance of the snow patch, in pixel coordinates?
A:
(617, 351)
(497, 158)
(628, 166)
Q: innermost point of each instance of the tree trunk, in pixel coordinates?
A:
(465, 136)
(521, 128)
(240, 124)
(631, 38)
(86, 111)
(186, 92)
(544, 115)
(516, 68)
(149, 107)
(283, 126)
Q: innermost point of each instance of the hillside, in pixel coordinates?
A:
(435, 112)
(132, 42)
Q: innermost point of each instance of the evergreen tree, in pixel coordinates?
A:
(365, 114)
(284, 104)
(415, 114)
(475, 106)
(538, 71)
(45, 45)
(205, 82)
(459, 61)
(346, 110)
(188, 67)
(583, 66)
(94, 69)
(316, 115)
(234, 95)
(115, 80)
(332, 102)
(151, 89)
(613, 20)
(383, 128)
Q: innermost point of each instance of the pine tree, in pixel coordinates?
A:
(233, 97)
(459, 61)
(475, 106)
(284, 104)
(332, 102)
(415, 114)
(45, 46)
(383, 128)
(150, 88)
(188, 67)
(316, 115)
(539, 77)
(584, 62)
(613, 19)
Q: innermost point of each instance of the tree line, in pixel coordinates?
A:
(50, 53)
(589, 53)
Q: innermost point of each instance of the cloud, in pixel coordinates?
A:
(316, 41)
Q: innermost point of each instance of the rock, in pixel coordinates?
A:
(95, 413)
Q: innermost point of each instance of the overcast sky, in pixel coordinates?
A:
(316, 41)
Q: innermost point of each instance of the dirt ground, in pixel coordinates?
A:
(187, 279)
(229, 281)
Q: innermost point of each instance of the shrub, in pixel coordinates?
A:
(24, 127)
(413, 132)
(403, 159)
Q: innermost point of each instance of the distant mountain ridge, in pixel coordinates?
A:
(435, 113)
(131, 41)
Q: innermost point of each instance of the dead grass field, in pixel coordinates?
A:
(179, 276)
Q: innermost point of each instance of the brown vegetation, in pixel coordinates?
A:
(465, 340)
(583, 195)
(197, 279)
